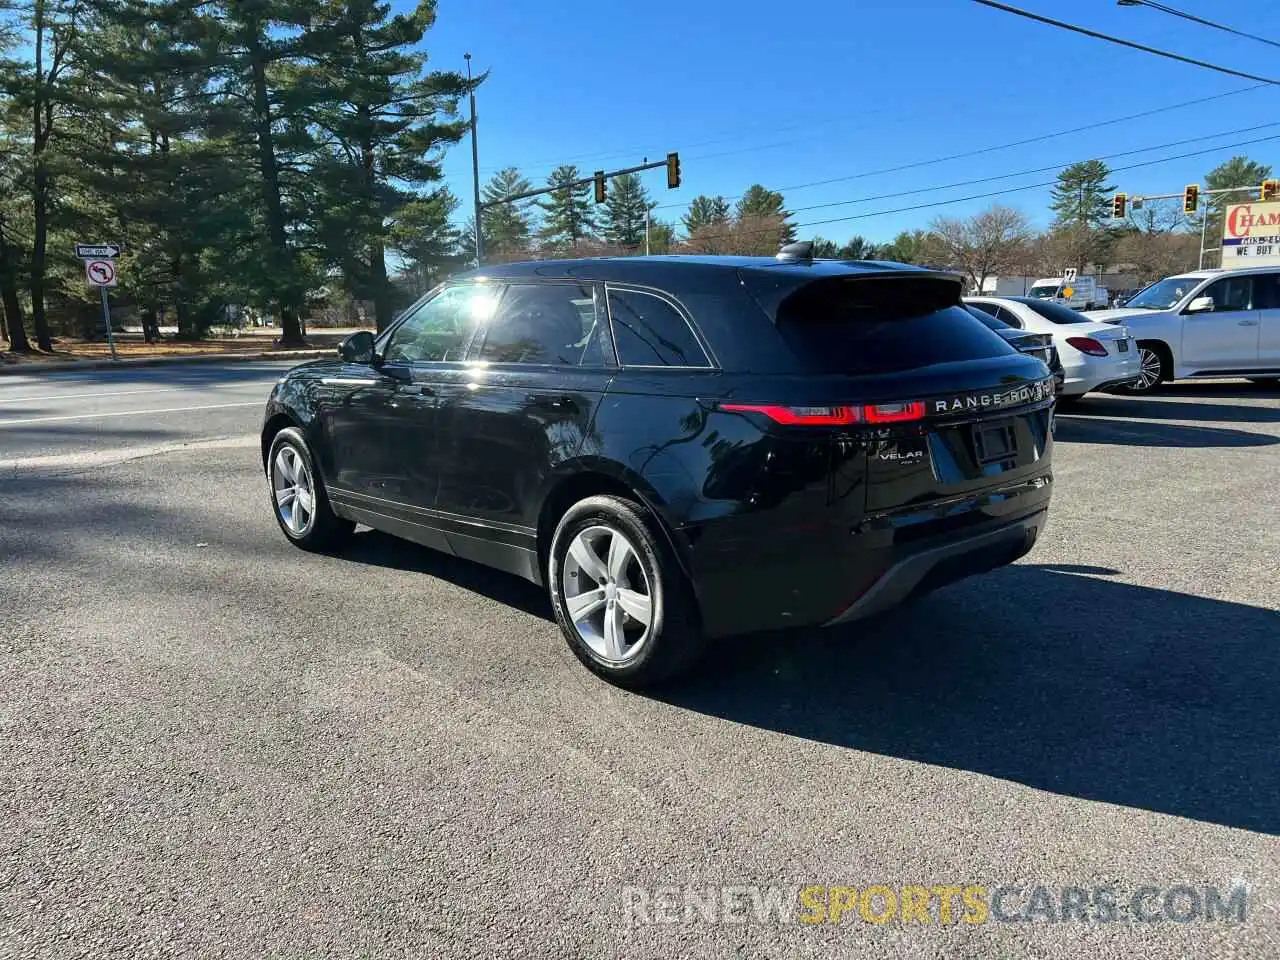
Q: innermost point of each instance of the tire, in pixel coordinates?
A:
(1155, 368)
(609, 566)
(292, 481)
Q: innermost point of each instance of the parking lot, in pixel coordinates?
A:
(213, 744)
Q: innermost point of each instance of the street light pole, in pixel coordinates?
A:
(475, 165)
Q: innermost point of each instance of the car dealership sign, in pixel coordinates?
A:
(1251, 235)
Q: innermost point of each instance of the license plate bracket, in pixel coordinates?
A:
(994, 443)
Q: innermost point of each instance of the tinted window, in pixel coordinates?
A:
(990, 309)
(1230, 295)
(1054, 312)
(441, 328)
(980, 310)
(1266, 291)
(650, 332)
(544, 323)
(881, 326)
(1009, 317)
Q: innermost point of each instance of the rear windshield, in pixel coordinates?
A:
(1053, 312)
(869, 326)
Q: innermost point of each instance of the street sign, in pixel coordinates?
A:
(1251, 235)
(97, 251)
(1069, 275)
(101, 273)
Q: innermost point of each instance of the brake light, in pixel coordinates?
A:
(798, 416)
(833, 416)
(1088, 345)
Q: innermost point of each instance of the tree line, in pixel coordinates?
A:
(245, 153)
(1153, 241)
(278, 156)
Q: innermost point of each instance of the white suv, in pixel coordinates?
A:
(1210, 323)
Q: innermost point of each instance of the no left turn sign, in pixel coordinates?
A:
(101, 273)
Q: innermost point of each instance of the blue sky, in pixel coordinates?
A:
(785, 94)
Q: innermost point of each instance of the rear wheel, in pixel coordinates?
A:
(620, 597)
(298, 498)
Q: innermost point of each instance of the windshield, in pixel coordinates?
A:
(1044, 291)
(1163, 294)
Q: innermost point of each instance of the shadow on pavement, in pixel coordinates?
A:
(1085, 687)
(378, 549)
(1073, 428)
(1170, 406)
(1045, 675)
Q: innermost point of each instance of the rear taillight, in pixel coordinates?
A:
(878, 413)
(1088, 345)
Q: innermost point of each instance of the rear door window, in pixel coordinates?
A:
(1054, 312)
(869, 326)
(1266, 291)
(546, 324)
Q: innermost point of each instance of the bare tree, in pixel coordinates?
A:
(981, 246)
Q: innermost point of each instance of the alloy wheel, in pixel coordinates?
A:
(294, 489)
(1150, 368)
(607, 594)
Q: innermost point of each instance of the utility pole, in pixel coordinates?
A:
(646, 233)
(475, 166)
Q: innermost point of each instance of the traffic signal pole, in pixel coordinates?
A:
(1190, 193)
(583, 181)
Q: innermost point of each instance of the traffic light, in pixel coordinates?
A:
(601, 189)
(1117, 205)
(673, 170)
(1271, 189)
(1191, 198)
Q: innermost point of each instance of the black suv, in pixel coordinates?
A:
(678, 447)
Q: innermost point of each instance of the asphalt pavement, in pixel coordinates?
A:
(213, 744)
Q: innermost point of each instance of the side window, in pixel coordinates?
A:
(1230, 295)
(1009, 317)
(441, 328)
(546, 323)
(988, 308)
(650, 332)
(1266, 291)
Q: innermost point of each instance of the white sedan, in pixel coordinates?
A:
(1094, 355)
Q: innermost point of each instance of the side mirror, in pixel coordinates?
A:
(1120, 302)
(357, 348)
(1200, 305)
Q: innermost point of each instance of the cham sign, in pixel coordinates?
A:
(1251, 235)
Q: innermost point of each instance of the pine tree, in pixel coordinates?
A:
(1237, 172)
(41, 91)
(625, 209)
(705, 211)
(1081, 197)
(383, 123)
(423, 236)
(761, 221)
(506, 226)
(568, 217)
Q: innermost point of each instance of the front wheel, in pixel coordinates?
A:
(619, 595)
(1153, 370)
(298, 498)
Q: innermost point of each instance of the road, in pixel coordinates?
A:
(212, 744)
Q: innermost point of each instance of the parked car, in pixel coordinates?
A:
(678, 447)
(1083, 293)
(1095, 355)
(1208, 323)
(1038, 345)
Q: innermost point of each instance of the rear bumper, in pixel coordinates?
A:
(938, 565)
(1098, 374)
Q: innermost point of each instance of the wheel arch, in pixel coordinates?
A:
(277, 421)
(593, 477)
(1162, 347)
